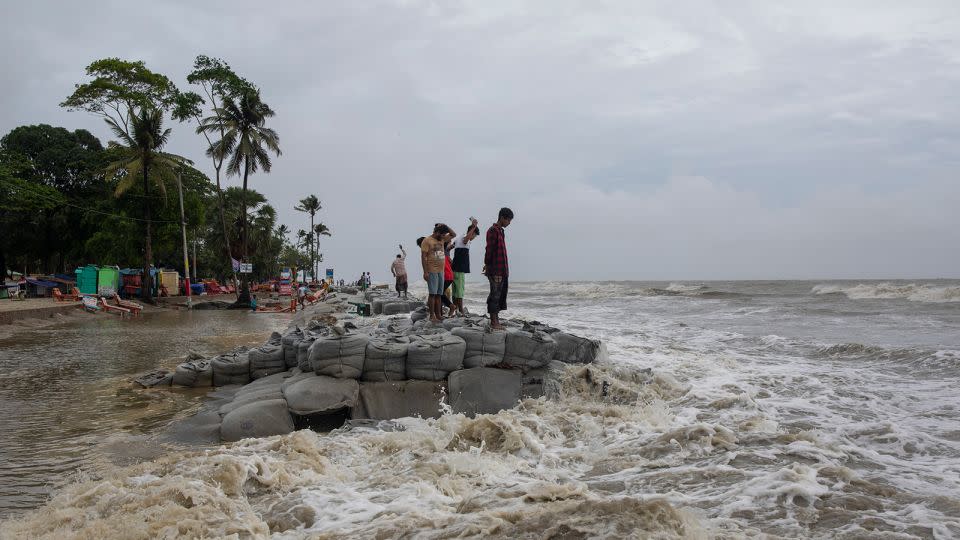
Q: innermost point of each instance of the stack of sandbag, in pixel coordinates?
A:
(289, 343)
(196, 371)
(377, 306)
(386, 359)
(484, 348)
(231, 368)
(274, 339)
(339, 355)
(432, 357)
(266, 360)
(528, 350)
(396, 325)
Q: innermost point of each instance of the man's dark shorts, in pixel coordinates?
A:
(401, 283)
(497, 301)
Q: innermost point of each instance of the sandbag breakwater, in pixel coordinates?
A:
(331, 366)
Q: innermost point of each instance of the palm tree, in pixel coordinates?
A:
(319, 230)
(305, 242)
(311, 205)
(143, 159)
(247, 143)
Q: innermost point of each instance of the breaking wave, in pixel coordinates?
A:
(607, 290)
(912, 291)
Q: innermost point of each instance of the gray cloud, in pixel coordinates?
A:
(634, 140)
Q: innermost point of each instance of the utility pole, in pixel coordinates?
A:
(183, 230)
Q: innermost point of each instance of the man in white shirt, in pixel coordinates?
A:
(399, 271)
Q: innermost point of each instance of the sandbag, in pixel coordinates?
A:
(257, 419)
(484, 390)
(339, 356)
(274, 339)
(266, 360)
(484, 348)
(418, 314)
(573, 349)
(377, 306)
(527, 350)
(303, 352)
(157, 377)
(289, 343)
(233, 368)
(396, 324)
(320, 394)
(194, 373)
(393, 308)
(386, 359)
(433, 357)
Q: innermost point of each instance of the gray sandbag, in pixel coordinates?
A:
(258, 394)
(399, 399)
(393, 308)
(418, 314)
(483, 390)
(289, 343)
(321, 394)
(433, 357)
(484, 347)
(194, 373)
(349, 290)
(573, 349)
(543, 382)
(232, 368)
(266, 360)
(157, 377)
(303, 352)
(396, 324)
(453, 322)
(340, 356)
(527, 350)
(386, 359)
(377, 306)
(257, 419)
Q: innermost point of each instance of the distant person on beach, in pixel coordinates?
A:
(253, 303)
(432, 260)
(302, 294)
(447, 279)
(369, 281)
(399, 271)
(461, 263)
(496, 267)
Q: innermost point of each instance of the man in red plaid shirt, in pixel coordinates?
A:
(497, 268)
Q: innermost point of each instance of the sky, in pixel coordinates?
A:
(633, 140)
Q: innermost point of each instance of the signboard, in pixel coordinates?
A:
(246, 268)
(330, 275)
(285, 273)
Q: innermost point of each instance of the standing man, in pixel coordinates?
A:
(432, 259)
(461, 263)
(399, 271)
(497, 267)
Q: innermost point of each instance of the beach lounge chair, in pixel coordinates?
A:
(134, 307)
(113, 309)
(91, 304)
(60, 297)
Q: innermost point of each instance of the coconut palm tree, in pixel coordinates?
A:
(247, 144)
(311, 205)
(143, 160)
(319, 230)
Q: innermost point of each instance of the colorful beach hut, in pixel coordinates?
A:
(87, 279)
(108, 280)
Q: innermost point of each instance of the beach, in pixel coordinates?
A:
(723, 409)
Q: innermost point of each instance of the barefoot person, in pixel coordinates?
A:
(496, 267)
(461, 263)
(399, 271)
(432, 259)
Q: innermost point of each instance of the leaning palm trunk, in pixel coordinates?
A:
(243, 299)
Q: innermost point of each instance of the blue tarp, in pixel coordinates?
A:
(66, 277)
(42, 283)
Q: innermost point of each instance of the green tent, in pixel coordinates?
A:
(87, 279)
(108, 281)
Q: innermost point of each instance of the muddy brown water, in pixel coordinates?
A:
(68, 408)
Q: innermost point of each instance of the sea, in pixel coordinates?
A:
(719, 409)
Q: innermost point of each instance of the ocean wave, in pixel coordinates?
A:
(606, 290)
(914, 292)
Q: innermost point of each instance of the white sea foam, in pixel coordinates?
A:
(913, 291)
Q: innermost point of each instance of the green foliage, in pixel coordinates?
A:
(56, 157)
(119, 86)
(245, 139)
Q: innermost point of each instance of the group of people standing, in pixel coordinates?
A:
(446, 275)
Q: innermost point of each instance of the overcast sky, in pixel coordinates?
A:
(633, 140)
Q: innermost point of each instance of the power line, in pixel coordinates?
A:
(91, 210)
